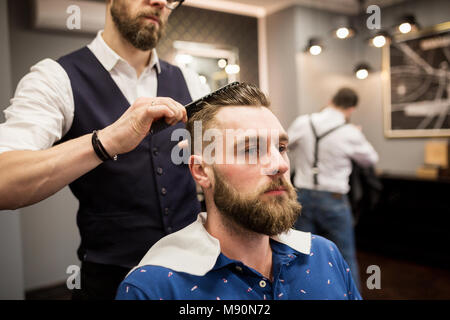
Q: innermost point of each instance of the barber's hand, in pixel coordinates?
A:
(131, 128)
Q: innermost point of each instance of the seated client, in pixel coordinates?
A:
(243, 246)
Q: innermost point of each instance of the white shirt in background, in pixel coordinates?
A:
(42, 109)
(336, 151)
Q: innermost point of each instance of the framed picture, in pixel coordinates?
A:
(416, 84)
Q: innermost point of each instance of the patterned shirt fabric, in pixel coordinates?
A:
(319, 274)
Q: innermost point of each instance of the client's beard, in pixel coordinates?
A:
(273, 216)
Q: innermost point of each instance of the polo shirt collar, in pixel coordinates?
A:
(109, 58)
(193, 250)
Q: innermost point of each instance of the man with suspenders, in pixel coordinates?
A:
(323, 146)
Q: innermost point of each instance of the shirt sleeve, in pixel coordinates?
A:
(41, 111)
(128, 291)
(361, 149)
(296, 131)
(196, 88)
(352, 289)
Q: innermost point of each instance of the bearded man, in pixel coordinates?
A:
(97, 103)
(244, 246)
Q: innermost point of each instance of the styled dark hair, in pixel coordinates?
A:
(345, 98)
(242, 94)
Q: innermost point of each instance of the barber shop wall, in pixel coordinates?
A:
(11, 267)
(49, 234)
(300, 83)
(403, 155)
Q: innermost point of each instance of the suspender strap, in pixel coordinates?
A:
(315, 168)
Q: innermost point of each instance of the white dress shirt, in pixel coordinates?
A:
(193, 250)
(42, 109)
(336, 151)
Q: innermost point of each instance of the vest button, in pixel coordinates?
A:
(166, 211)
(155, 151)
(163, 191)
(169, 229)
(159, 171)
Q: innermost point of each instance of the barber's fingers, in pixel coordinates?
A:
(178, 109)
(145, 116)
(153, 113)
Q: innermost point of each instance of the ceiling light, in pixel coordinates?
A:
(222, 63)
(342, 28)
(362, 74)
(314, 47)
(315, 50)
(405, 27)
(407, 24)
(342, 33)
(362, 71)
(380, 39)
(232, 69)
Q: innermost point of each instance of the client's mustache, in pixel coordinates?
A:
(278, 184)
(154, 13)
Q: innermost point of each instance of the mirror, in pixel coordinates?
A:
(217, 65)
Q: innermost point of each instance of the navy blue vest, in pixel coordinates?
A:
(127, 205)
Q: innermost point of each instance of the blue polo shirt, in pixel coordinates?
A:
(319, 272)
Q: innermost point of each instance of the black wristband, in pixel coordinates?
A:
(99, 149)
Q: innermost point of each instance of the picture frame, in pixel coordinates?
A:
(416, 84)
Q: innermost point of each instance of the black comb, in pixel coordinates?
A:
(191, 108)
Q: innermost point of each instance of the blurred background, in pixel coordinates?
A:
(394, 53)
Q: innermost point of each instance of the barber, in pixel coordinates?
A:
(84, 120)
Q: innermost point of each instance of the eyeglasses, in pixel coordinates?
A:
(173, 4)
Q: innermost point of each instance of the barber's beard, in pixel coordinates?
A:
(143, 36)
(274, 215)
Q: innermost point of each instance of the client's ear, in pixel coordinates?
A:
(198, 171)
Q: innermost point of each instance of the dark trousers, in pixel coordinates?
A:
(99, 281)
(329, 215)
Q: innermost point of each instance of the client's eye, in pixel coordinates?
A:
(283, 148)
